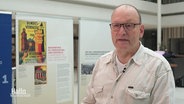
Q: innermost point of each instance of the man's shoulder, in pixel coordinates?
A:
(156, 56)
(107, 54)
(152, 53)
(107, 57)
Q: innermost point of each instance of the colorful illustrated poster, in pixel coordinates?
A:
(40, 74)
(32, 42)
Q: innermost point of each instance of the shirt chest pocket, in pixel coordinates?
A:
(102, 90)
(137, 94)
(98, 91)
(133, 96)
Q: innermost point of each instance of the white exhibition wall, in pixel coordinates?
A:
(51, 80)
(94, 41)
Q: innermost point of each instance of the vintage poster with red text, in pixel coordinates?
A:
(32, 42)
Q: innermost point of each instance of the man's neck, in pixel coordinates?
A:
(124, 56)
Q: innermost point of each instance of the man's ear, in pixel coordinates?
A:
(141, 31)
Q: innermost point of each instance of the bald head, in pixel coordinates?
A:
(127, 6)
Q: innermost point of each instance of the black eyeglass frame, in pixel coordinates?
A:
(124, 26)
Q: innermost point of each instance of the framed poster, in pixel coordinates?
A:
(32, 41)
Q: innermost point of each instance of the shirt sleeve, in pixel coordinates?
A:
(89, 98)
(164, 89)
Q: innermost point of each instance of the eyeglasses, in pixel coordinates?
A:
(126, 26)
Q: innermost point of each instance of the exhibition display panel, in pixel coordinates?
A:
(5, 57)
(94, 41)
(44, 59)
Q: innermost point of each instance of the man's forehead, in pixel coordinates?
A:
(125, 9)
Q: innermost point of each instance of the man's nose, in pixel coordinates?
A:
(122, 29)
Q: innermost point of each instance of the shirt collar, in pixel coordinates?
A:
(111, 58)
(137, 57)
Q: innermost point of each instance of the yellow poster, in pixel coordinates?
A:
(32, 41)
